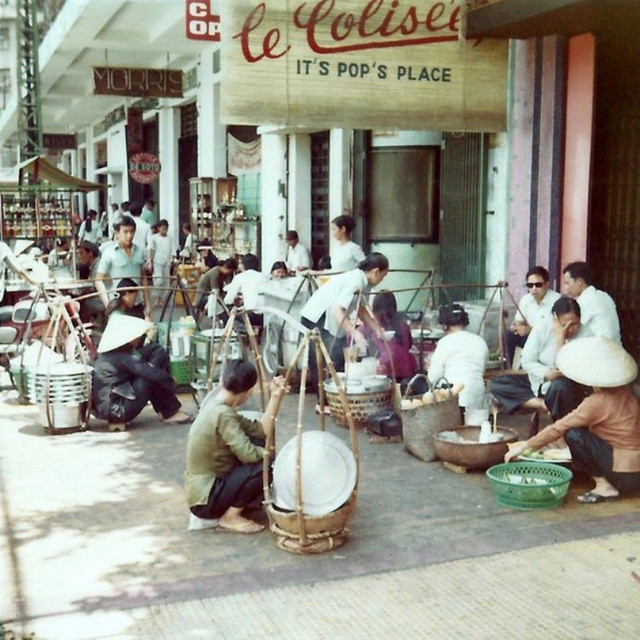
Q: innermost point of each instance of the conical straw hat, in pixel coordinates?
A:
(120, 330)
(597, 362)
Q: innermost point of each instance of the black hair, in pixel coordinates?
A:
(374, 260)
(579, 270)
(278, 264)
(124, 221)
(150, 201)
(116, 205)
(125, 205)
(324, 262)
(250, 261)
(135, 208)
(162, 223)
(345, 221)
(118, 303)
(385, 310)
(229, 263)
(92, 247)
(565, 304)
(292, 235)
(187, 227)
(239, 376)
(88, 219)
(538, 271)
(453, 315)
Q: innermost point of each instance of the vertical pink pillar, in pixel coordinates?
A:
(578, 141)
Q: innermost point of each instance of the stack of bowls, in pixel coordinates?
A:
(61, 392)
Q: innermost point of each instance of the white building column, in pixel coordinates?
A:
(299, 187)
(273, 201)
(339, 173)
(168, 133)
(212, 134)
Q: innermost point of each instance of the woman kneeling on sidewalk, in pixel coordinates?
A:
(225, 452)
(603, 433)
(125, 378)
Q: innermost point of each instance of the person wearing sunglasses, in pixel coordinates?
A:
(533, 307)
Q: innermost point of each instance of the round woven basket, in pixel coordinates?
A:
(361, 406)
(529, 485)
(322, 533)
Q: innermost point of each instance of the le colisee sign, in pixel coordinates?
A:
(366, 64)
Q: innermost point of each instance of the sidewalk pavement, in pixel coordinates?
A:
(95, 545)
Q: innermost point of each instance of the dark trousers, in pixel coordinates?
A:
(594, 456)
(163, 401)
(563, 395)
(240, 488)
(334, 347)
(513, 340)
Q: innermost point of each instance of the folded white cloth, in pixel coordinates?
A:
(198, 524)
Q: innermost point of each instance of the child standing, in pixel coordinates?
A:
(160, 255)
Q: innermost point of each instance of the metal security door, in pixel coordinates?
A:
(319, 196)
(462, 224)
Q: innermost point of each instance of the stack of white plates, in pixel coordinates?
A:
(328, 473)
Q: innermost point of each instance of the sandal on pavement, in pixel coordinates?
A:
(117, 426)
(242, 527)
(591, 498)
(186, 419)
(327, 410)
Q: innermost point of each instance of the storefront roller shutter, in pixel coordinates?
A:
(462, 224)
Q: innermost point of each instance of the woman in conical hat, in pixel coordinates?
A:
(125, 378)
(603, 433)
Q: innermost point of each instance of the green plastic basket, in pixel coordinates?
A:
(181, 371)
(529, 485)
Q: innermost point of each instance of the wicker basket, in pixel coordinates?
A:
(323, 533)
(361, 406)
(419, 425)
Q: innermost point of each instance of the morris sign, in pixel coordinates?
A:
(360, 64)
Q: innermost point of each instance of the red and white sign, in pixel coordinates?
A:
(144, 167)
(201, 24)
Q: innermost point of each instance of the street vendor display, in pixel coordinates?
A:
(603, 432)
(329, 309)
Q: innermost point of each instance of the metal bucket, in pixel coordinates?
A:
(63, 416)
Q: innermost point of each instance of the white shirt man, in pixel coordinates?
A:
(597, 308)
(298, 258)
(249, 285)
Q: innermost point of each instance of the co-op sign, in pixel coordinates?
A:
(361, 64)
(201, 23)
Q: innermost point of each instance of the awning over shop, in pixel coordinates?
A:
(43, 171)
(535, 18)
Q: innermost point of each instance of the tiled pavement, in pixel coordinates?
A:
(95, 545)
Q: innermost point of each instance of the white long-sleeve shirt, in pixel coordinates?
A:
(250, 285)
(539, 353)
(347, 256)
(598, 312)
(461, 356)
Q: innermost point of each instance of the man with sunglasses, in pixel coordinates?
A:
(534, 306)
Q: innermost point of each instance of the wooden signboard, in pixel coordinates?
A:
(137, 83)
(359, 64)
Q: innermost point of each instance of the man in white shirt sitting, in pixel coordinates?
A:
(597, 308)
(544, 388)
(534, 307)
(298, 258)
